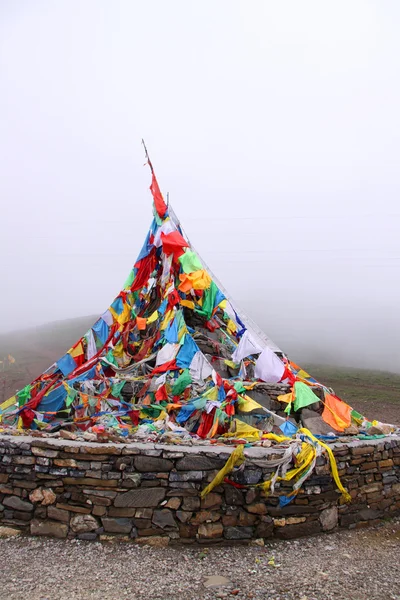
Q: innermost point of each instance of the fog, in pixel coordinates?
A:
(273, 126)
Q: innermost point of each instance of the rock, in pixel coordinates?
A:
(114, 538)
(50, 528)
(265, 530)
(215, 581)
(98, 501)
(164, 518)
(295, 520)
(121, 512)
(246, 519)
(229, 520)
(65, 462)
(205, 516)
(258, 542)
(90, 481)
(155, 541)
(210, 530)
(88, 536)
(3, 478)
(248, 476)
(57, 514)
(183, 516)
(9, 531)
(142, 497)
(122, 462)
(251, 496)
(67, 435)
(259, 508)
(233, 496)
(144, 513)
(238, 533)
(191, 503)
(329, 518)
(83, 523)
(186, 476)
(102, 449)
(173, 503)
(85, 510)
(121, 525)
(44, 452)
(199, 463)
(294, 531)
(151, 464)
(131, 480)
(36, 495)
(24, 460)
(212, 499)
(374, 430)
(101, 493)
(99, 511)
(49, 496)
(316, 424)
(352, 430)
(187, 531)
(17, 504)
(90, 437)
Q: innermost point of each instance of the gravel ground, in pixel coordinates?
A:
(356, 565)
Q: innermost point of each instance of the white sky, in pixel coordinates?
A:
(275, 127)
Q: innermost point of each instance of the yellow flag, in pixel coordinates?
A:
(77, 351)
(152, 318)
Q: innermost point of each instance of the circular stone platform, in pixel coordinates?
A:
(150, 493)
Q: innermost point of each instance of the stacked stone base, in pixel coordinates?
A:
(150, 493)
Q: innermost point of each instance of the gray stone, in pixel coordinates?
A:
(191, 503)
(199, 463)
(9, 532)
(315, 424)
(183, 516)
(329, 518)
(164, 518)
(262, 398)
(58, 514)
(141, 497)
(186, 476)
(248, 476)
(83, 523)
(131, 479)
(121, 525)
(101, 493)
(88, 536)
(152, 464)
(210, 530)
(233, 496)
(238, 533)
(17, 504)
(216, 581)
(50, 528)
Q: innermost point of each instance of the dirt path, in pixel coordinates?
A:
(356, 565)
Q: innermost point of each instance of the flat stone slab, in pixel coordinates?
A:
(216, 581)
(140, 498)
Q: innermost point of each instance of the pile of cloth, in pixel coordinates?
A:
(172, 359)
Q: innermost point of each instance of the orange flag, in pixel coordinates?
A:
(336, 413)
(141, 323)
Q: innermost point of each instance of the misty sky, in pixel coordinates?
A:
(273, 125)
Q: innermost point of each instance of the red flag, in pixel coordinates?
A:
(159, 203)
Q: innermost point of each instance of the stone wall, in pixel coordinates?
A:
(149, 493)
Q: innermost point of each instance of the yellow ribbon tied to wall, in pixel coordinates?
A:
(235, 459)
